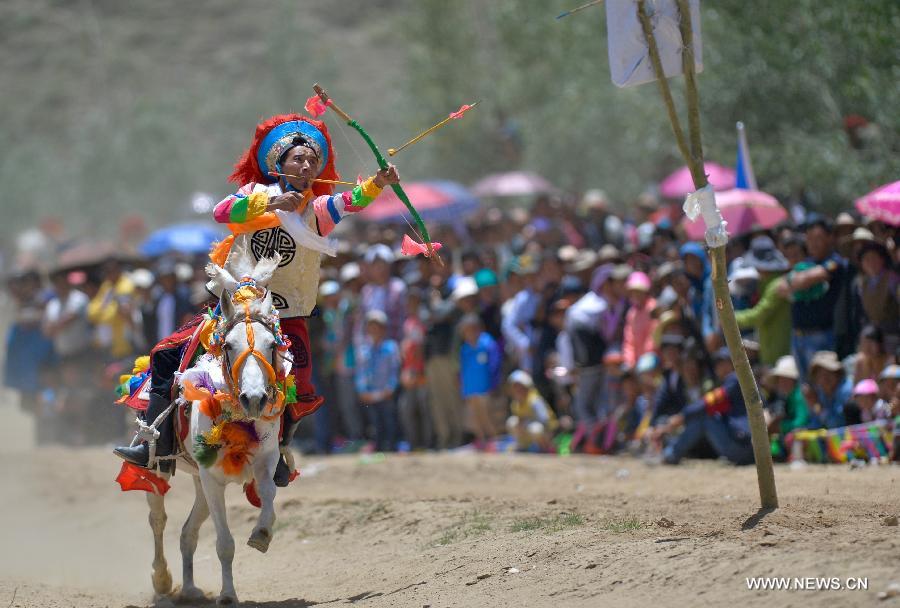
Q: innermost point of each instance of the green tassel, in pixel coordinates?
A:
(204, 454)
(290, 395)
(123, 390)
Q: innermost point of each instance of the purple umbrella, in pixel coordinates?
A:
(882, 204)
(514, 183)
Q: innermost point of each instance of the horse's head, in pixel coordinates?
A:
(251, 359)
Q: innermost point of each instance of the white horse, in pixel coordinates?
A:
(247, 370)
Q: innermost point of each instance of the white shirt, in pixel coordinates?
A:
(76, 336)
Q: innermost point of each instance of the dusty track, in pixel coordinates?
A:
(444, 530)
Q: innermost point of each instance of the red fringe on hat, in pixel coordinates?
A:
(246, 169)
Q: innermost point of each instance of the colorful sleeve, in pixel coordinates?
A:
(241, 206)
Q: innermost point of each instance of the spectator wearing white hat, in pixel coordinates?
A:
(531, 420)
(382, 291)
(377, 379)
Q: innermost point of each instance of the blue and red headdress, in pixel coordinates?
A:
(276, 136)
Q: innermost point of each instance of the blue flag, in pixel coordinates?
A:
(744, 170)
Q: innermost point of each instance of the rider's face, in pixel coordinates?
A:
(302, 162)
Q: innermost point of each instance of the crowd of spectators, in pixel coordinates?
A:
(559, 326)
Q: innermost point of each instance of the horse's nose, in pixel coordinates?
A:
(253, 404)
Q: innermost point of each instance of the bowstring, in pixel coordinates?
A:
(362, 163)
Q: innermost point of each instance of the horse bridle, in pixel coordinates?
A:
(231, 371)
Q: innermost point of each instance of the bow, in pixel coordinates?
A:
(431, 249)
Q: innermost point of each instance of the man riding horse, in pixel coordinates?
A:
(285, 205)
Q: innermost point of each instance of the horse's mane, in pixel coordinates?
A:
(242, 264)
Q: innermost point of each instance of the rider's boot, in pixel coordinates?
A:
(306, 404)
(140, 454)
(283, 472)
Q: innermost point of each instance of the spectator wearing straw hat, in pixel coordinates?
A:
(786, 409)
(771, 316)
(831, 390)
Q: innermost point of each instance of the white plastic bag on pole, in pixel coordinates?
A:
(629, 60)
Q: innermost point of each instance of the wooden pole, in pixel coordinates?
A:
(694, 158)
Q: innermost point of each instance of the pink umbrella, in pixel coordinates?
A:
(882, 204)
(744, 210)
(680, 183)
(514, 183)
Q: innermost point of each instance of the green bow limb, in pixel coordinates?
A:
(382, 164)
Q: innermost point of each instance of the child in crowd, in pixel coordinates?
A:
(787, 409)
(866, 406)
(639, 323)
(414, 413)
(531, 422)
(479, 362)
(377, 377)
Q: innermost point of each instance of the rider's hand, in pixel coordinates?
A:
(387, 176)
(289, 201)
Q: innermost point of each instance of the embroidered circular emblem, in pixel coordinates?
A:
(278, 301)
(265, 243)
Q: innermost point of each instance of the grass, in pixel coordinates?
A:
(627, 524)
(472, 524)
(548, 524)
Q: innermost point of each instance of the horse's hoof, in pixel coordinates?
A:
(191, 594)
(260, 539)
(162, 582)
(227, 600)
(163, 601)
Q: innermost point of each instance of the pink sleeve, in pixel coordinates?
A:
(627, 340)
(222, 211)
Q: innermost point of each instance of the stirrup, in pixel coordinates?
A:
(288, 456)
(150, 434)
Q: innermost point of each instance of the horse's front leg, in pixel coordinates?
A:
(162, 578)
(214, 490)
(189, 535)
(264, 471)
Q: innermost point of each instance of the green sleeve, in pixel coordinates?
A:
(756, 316)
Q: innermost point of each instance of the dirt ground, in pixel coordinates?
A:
(457, 530)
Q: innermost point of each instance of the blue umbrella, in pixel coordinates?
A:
(182, 238)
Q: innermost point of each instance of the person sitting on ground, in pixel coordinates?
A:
(866, 406)
(828, 391)
(786, 409)
(720, 417)
(531, 420)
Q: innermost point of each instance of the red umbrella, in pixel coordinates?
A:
(680, 183)
(514, 183)
(744, 210)
(882, 204)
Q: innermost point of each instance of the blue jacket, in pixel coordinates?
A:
(479, 366)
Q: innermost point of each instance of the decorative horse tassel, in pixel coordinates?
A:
(411, 247)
